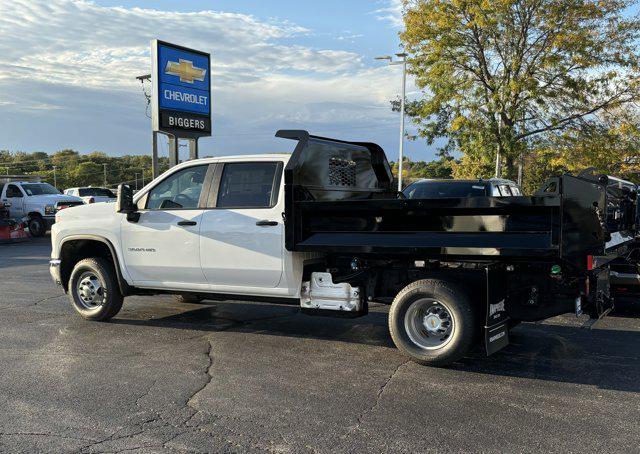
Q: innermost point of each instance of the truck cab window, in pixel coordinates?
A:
(505, 190)
(248, 185)
(13, 191)
(179, 190)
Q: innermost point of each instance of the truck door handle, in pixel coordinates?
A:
(265, 223)
(187, 223)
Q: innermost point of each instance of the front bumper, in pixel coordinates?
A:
(54, 270)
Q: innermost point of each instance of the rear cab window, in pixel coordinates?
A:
(249, 185)
(96, 192)
(13, 191)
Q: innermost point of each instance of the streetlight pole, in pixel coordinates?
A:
(498, 173)
(55, 180)
(104, 167)
(402, 61)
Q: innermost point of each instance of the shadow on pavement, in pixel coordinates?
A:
(606, 359)
(277, 320)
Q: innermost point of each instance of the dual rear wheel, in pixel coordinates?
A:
(433, 322)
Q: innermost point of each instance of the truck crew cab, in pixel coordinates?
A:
(323, 228)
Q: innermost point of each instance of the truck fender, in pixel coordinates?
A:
(125, 288)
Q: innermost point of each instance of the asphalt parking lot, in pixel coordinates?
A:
(245, 377)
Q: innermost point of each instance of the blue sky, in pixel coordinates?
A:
(67, 72)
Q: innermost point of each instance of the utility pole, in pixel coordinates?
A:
(136, 177)
(403, 61)
(55, 180)
(104, 166)
(155, 171)
(143, 177)
(498, 162)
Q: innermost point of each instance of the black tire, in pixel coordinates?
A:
(37, 226)
(455, 307)
(110, 302)
(187, 298)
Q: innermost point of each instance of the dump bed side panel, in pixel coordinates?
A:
(339, 198)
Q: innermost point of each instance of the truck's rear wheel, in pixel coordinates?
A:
(37, 226)
(93, 289)
(433, 322)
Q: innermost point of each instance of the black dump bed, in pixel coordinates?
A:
(340, 199)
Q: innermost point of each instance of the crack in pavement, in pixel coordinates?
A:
(146, 393)
(209, 378)
(47, 299)
(187, 425)
(376, 403)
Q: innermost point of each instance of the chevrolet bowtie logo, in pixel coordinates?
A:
(185, 70)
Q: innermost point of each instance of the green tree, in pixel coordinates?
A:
(505, 75)
(415, 170)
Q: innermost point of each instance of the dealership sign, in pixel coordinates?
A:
(181, 100)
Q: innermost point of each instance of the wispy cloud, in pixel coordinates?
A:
(80, 60)
(391, 12)
(348, 36)
(80, 43)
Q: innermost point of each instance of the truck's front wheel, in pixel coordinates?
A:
(37, 226)
(433, 322)
(93, 289)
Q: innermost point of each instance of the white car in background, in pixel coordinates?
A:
(92, 194)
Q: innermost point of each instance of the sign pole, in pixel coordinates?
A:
(154, 155)
(173, 150)
(193, 148)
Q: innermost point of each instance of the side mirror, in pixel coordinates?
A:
(124, 203)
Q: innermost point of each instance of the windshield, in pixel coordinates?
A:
(444, 189)
(96, 192)
(39, 189)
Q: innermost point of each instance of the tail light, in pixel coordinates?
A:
(589, 262)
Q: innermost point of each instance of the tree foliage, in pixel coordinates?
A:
(415, 170)
(75, 169)
(516, 75)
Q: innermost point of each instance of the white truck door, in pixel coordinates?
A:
(242, 233)
(162, 249)
(15, 197)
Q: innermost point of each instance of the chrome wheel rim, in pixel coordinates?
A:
(90, 290)
(430, 324)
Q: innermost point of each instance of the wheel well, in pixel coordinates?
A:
(34, 214)
(75, 250)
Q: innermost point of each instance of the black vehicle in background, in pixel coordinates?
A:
(438, 189)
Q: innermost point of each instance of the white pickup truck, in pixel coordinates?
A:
(38, 202)
(324, 229)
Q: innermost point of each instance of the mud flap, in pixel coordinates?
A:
(496, 326)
